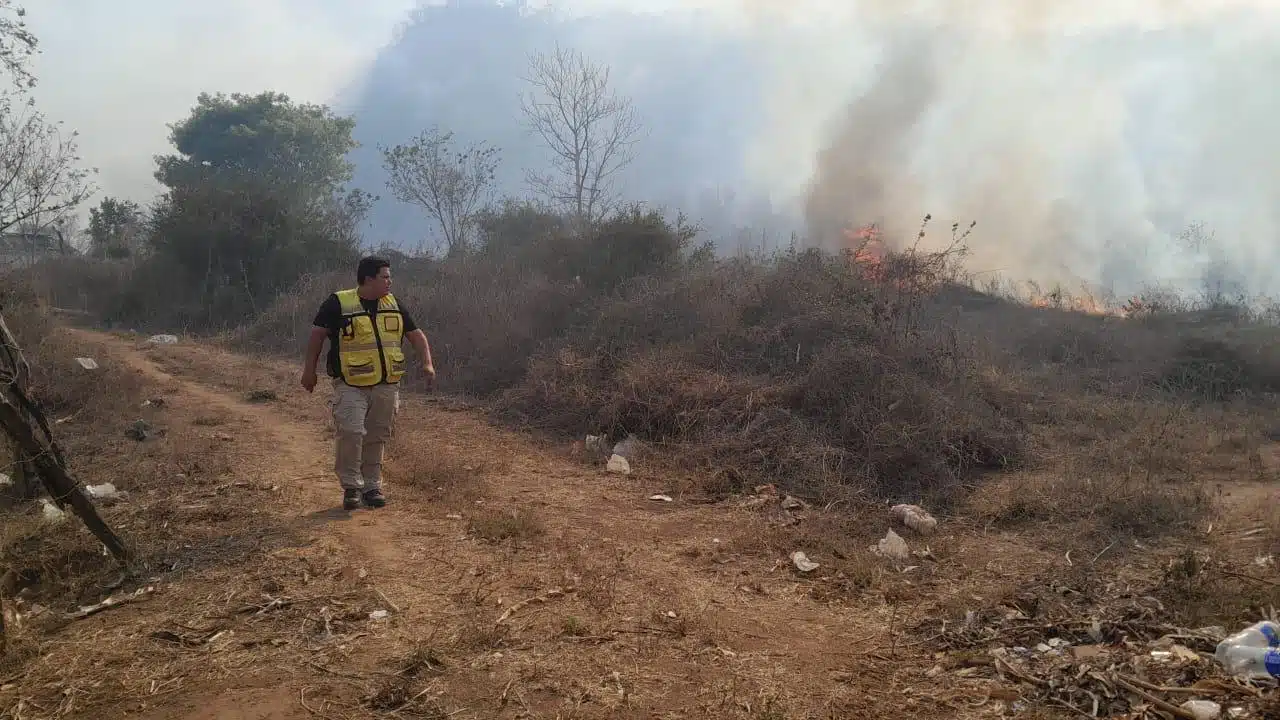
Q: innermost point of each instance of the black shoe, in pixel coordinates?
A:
(350, 499)
(374, 498)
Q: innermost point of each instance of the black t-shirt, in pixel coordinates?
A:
(329, 317)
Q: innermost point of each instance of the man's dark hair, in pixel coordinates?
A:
(369, 267)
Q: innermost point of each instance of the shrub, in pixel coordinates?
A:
(800, 373)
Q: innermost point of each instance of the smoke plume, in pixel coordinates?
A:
(1083, 141)
(1084, 138)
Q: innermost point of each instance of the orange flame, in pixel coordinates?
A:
(1086, 304)
(867, 250)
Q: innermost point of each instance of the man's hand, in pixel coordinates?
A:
(429, 372)
(309, 380)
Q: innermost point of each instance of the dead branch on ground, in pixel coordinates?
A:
(28, 428)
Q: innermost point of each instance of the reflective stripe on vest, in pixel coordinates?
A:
(369, 347)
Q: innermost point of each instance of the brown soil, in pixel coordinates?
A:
(520, 580)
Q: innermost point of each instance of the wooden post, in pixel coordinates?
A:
(27, 427)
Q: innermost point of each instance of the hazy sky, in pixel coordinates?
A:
(118, 72)
(1080, 135)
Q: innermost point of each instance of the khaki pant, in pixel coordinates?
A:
(363, 419)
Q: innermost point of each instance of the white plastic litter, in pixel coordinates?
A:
(163, 339)
(1253, 653)
(105, 491)
(803, 563)
(626, 447)
(52, 513)
(87, 363)
(1203, 709)
(893, 547)
(915, 517)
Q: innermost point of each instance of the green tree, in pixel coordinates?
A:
(115, 228)
(255, 199)
(299, 149)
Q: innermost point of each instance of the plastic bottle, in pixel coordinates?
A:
(1253, 652)
(1259, 634)
(1252, 663)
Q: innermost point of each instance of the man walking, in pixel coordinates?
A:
(365, 326)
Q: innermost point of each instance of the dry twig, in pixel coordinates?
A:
(109, 603)
(553, 593)
(1162, 704)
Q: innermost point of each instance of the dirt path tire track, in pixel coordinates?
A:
(288, 447)
(678, 610)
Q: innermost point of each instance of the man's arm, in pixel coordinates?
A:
(419, 341)
(326, 320)
(315, 343)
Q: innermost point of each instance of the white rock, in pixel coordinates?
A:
(619, 464)
(163, 339)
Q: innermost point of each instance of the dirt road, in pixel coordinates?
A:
(585, 599)
(506, 578)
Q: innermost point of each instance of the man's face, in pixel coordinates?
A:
(379, 284)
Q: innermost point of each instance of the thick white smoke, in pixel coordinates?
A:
(1083, 139)
(1082, 136)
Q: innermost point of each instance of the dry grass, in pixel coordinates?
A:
(518, 525)
(187, 515)
(796, 369)
(1075, 463)
(441, 470)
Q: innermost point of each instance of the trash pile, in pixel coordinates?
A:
(1130, 667)
(785, 509)
(619, 454)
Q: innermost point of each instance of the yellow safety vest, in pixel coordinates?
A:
(370, 352)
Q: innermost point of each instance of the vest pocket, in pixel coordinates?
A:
(361, 327)
(357, 368)
(395, 359)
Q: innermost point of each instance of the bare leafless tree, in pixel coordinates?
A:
(40, 179)
(17, 44)
(451, 184)
(589, 130)
(68, 235)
